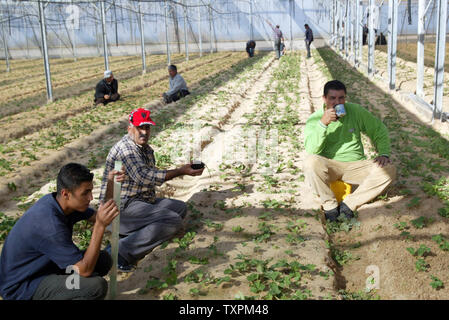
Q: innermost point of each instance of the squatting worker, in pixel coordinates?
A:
(336, 152)
(39, 254)
(145, 221)
(178, 87)
(278, 39)
(250, 47)
(107, 89)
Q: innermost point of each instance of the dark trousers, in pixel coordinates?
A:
(176, 96)
(112, 98)
(144, 226)
(53, 286)
(277, 48)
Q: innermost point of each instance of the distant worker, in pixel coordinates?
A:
(309, 39)
(107, 89)
(365, 34)
(178, 86)
(250, 47)
(278, 39)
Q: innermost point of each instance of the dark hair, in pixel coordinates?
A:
(172, 67)
(334, 85)
(306, 25)
(71, 176)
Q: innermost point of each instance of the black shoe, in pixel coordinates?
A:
(122, 264)
(344, 210)
(331, 215)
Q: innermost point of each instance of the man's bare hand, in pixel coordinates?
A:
(106, 96)
(119, 175)
(329, 116)
(106, 213)
(187, 170)
(382, 161)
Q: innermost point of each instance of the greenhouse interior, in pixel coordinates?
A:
(224, 150)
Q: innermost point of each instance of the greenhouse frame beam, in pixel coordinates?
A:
(347, 22)
(185, 33)
(352, 22)
(334, 20)
(360, 31)
(340, 25)
(210, 30)
(103, 29)
(166, 33)
(371, 39)
(392, 42)
(356, 32)
(251, 29)
(5, 47)
(45, 51)
(199, 31)
(142, 40)
(420, 48)
(439, 58)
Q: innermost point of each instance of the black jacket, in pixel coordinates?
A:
(104, 88)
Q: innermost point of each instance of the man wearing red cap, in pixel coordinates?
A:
(145, 221)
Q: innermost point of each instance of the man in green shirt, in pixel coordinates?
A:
(336, 153)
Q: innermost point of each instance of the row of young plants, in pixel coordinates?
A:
(24, 151)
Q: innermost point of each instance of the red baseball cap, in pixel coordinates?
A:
(140, 117)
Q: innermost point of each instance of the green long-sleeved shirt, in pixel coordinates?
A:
(341, 139)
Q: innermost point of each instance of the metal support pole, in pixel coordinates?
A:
(5, 46)
(392, 41)
(371, 39)
(73, 39)
(439, 58)
(420, 50)
(199, 31)
(334, 23)
(115, 236)
(360, 29)
(251, 30)
(105, 44)
(347, 27)
(291, 24)
(340, 22)
(210, 29)
(142, 40)
(45, 51)
(166, 34)
(353, 31)
(185, 33)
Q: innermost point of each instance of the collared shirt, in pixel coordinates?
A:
(277, 33)
(176, 83)
(141, 173)
(39, 244)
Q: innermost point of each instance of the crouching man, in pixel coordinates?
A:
(145, 221)
(107, 89)
(39, 254)
(178, 86)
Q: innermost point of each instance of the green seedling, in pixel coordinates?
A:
(436, 283)
(421, 265)
(441, 241)
(421, 222)
(422, 251)
(237, 229)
